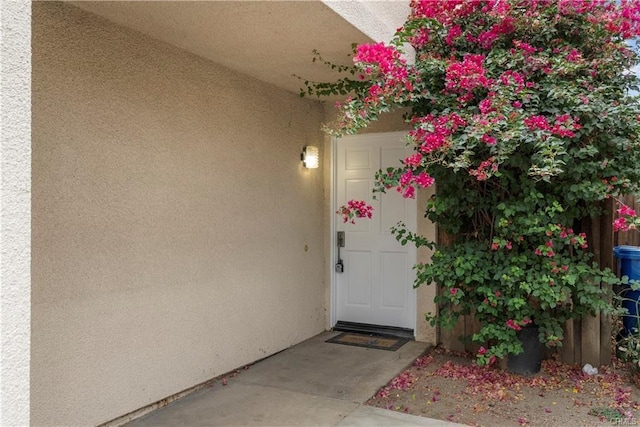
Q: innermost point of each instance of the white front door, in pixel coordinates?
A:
(376, 286)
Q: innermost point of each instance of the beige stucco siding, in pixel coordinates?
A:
(15, 211)
(176, 235)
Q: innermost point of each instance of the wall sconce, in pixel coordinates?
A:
(310, 157)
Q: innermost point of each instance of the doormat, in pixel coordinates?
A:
(369, 341)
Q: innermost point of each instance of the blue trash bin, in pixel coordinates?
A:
(629, 265)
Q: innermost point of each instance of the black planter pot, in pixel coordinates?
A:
(529, 361)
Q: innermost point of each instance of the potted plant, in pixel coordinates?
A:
(522, 117)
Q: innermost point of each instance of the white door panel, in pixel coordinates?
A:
(376, 286)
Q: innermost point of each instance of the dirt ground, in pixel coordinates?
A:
(449, 386)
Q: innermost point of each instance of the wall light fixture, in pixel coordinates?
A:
(310, 157)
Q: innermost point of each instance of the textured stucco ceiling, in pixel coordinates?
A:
(268, 40)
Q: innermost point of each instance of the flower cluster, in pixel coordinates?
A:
(355, 209)
(486, 168)
(564, 125)
(409, 181)
(386, 58)
(387, 61)
(431, 133)
(463, 77)
(627, 219)
(517, 325)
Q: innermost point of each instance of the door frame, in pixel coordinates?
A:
(333, 206)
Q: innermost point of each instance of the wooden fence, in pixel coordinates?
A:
(588, 340)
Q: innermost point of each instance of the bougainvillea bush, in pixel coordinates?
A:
(523, 117)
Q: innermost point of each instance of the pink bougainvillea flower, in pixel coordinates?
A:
(379, 54)
(482, 172)
(424, 180)
(409, 192)
(513, 325)
(536, 123)
(413, 160)
(464, 76)
(355, 209)
(443, 11)
(625, 210)
(574, 56)
(486, 106)
(420, 38)
(453, 33)
(489, 140)
(525, 47)
(513, 79)
(620, 224)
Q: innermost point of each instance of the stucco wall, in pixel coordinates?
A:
(377, 19)
(15, 200)
(176, 235)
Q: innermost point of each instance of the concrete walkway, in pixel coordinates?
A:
(311, 384)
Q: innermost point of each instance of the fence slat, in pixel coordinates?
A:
(590, 327)
(590, 344)
(606, 261)
(568, 343)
